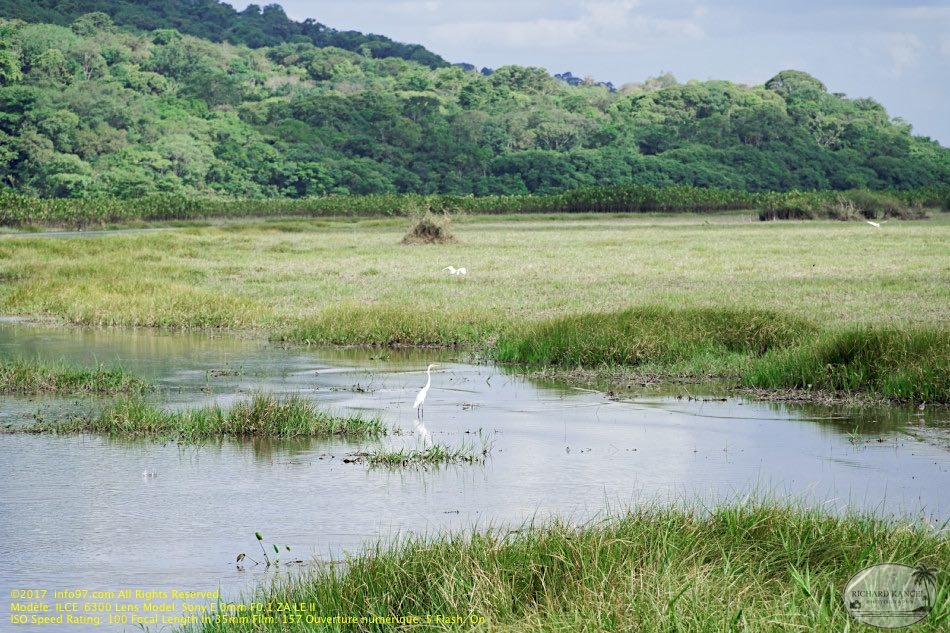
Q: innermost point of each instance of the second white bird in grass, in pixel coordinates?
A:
(425, 390)
(456, 272)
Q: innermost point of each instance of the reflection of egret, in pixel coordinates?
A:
(425, 390)
(148, 474)
(423, 433)
(456, 272)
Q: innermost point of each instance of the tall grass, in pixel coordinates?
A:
(30, 376)
(264, 416)
(766, 350)
(894, 363)
(649, 335)
(18, 210)
(747, 567)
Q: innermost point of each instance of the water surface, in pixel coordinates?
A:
(100, 513)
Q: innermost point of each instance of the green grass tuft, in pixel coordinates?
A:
(264, 416)
(895, 363)
(751, 567)
(28, 376)
(649, 335)
(435, 455)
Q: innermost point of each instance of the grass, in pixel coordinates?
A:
(754, 566)
(895, 363)
(649, 335)
(264, 416)
(435, 455)
(22, 376)
(721, 291)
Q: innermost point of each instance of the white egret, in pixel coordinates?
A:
(425, 390)
(456, 272)
(874, 224)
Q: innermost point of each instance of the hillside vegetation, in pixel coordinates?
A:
(100, 107)
(219, 22)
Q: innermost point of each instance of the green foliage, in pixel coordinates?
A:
(300, 111)
(67, 175)
(212, 20)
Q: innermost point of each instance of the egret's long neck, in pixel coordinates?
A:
(429, 374)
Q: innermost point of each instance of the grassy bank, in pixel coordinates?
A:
(752, 567)
(763, 350)
(651, 335)
(29, 376)
(894, 363)
(715, 294)
(263, 416)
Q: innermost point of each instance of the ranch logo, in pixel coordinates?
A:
(891, 595)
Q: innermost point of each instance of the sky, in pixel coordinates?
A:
(897, 53)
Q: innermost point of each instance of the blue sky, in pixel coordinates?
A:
(895, 52)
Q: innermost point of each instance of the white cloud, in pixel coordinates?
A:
(603, 26)
(902, 49)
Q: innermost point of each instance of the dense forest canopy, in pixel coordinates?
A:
(92, 108)
(255, 26)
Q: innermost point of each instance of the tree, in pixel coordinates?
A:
(92, 24)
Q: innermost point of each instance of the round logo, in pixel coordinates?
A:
(891, 595)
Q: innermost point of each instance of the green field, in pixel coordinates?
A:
(741, 290)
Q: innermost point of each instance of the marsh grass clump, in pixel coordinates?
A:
(747, 567)
(263, 416)
(430, 229)
(435, 455)
(894, 363)
(648, 335)
(29, 376)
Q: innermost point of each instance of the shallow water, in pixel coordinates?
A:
(79, 512)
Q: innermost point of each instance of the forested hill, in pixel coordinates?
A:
(219, 22)
(89, 108)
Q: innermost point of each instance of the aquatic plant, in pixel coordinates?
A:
(267, 559)
(33, 376)
(432, 455)
(263, 416)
